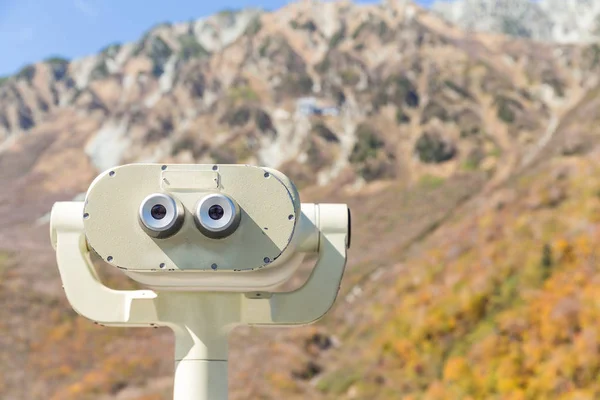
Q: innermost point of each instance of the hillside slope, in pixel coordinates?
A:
(468, 161)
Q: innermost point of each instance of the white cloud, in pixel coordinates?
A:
(86, 8)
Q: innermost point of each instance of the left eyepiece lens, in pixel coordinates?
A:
(161, 215)
(158, 211)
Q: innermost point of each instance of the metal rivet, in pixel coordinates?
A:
(214, 266)
(162, 265)
(86, 216)
(267, 260)
(291, 217)
(109, 258)
(215, 167)
(163, 167)
(267, 174)
(111, 173)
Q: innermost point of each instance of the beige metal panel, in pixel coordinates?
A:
(269, 204)
(258, 279)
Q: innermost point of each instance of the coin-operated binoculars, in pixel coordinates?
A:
(210, 242)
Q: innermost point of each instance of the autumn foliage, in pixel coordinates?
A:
(505, 304)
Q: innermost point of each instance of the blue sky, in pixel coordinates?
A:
(32, 30)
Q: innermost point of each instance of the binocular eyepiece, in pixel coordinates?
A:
(215, 215)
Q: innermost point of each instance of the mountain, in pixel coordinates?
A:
(243, 77)
(469, 161)
(558, 21)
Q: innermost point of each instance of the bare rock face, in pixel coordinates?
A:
(548, 20)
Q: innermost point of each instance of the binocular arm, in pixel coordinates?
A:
(93, 300)
(311, 301)
(87, 295)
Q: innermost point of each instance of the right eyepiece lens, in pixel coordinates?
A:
(158, 212)
(216, 212)
(217, 215)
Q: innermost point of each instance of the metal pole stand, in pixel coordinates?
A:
(201, 321)
(201, 330)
